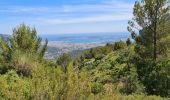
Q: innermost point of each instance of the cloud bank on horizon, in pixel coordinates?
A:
(66, 16)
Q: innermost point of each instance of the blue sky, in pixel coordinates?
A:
(66, 16)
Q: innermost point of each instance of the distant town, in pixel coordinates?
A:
(55, 49)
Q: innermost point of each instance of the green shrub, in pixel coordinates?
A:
(13, 87)
(119, 45)
(128, 42)
(96, 88)
(64, 61)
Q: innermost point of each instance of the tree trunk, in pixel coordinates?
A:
(155, 44)
(155, 31)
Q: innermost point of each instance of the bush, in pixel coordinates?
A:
(24, 41)
(64, 61)
(128, 42)
(24, 63)
(96, 88)
(12, 87)
(159, 79)
(119, 45)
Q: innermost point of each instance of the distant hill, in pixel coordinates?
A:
(5, 37)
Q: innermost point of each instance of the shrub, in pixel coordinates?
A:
(96, 88)
(24, 63)
(25, 40)
(119, 45)
(12, 87)
(128, 42)
(64, 61)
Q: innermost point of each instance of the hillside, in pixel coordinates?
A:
(113, 69)
(138, 69)
(103, 72)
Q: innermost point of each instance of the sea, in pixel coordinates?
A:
(75, 44)
(87, 37)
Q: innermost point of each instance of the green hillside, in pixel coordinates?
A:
(131, 70)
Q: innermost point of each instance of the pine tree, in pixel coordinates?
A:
(25, 40)
(152, 21)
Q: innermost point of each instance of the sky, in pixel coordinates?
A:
(66, 16)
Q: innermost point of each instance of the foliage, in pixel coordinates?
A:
(118, 71)
(128, 42)
(119, 45)
(115, 72)
(24, 40)
(14, 87)
(64, 61)
(157, 73)
(151, 21)
(96, 88)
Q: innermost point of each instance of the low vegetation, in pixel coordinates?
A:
(138, 70)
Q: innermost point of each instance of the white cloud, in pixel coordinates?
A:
(83, 28)
(107, 11)
(104, 18)
(51, 17)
